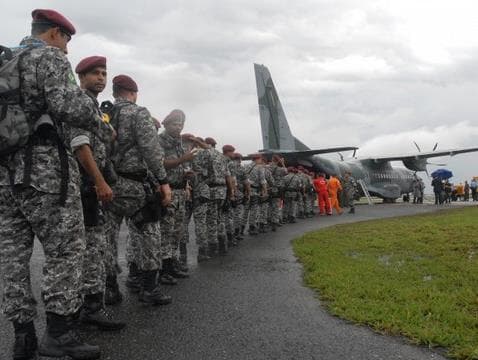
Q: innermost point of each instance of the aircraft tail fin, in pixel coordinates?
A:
(276, 133)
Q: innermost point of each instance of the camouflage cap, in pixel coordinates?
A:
(175, 115)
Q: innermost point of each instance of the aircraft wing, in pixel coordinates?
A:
(301, 153)
(417, 161)
(422, 155)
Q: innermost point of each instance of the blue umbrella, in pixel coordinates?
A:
(442, 174)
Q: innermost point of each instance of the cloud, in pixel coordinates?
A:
(348, 72)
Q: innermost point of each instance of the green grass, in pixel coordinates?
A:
(415, 276)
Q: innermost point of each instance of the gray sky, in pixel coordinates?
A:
(373, 74)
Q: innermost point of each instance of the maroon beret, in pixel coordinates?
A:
(125, 82)
(228, 148)
(46, 16)
(188, 137)
(175, 115)
(90, 63)
(237, 156)
(210, 141)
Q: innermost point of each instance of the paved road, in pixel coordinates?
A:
(250, 304)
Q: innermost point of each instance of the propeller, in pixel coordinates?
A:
(353, 155)
(418, 147)
(435, 147)
(341, 157)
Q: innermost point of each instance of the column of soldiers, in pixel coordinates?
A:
(85, 170)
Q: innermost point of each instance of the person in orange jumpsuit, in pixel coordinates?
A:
(334, 186)
(320, 186)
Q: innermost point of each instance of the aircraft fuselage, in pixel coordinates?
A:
(382, 180)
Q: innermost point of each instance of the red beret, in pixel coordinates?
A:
(188, 137)
(125, 82)
(46, 16)
(210, 141)
(175, 115)
(90, 63)
(228, 148)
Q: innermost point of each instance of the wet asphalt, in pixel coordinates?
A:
(250, 304)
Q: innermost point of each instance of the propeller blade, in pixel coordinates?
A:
(341, 157)
(355, 151)
(435, 147)
(418, 147)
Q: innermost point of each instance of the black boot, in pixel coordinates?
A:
(62, 339)
(164, 277)
(94, 313)
(262, 228)
(238, 234)
(202, 255)
(352, 210)
(212, 250)
(150, 291)
(252, 230)
(222, 246)
(183, 257)
(175, 269)
(243, 227)
(230, 240)
(26, 342)
(113, 294)
(274, 227)
(133, 282)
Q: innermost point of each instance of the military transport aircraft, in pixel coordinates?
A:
(378, 175)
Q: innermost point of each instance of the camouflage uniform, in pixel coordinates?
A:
(218, 192)
(137, 154)
(350, 188)
(278, 173)
(309, 196)
(201, 195)
(257, 179)
(241, 179)
(265, 200)
(34, 207)
(94, 272)
(172, 224)
(292, 190)
(229, 211)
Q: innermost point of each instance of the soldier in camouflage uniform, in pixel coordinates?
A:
(350, 188)
(200, 194)
(264, 201)
(278, 171)
(35, 200)
(310, 195)
(241, 195)
(228, 151)
(91, 152)
(301, 199)
(176, 162)
(292, 191)
(258, 184)
(220, 185)
(138, 162)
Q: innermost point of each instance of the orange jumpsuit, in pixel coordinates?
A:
(320, 186)
(334, 187)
